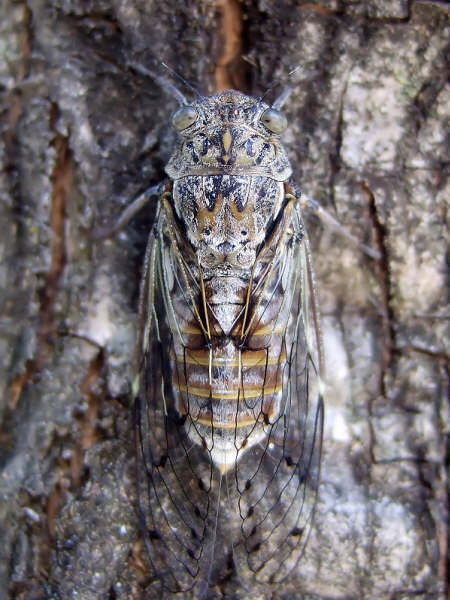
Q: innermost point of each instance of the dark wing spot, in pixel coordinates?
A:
(297, 531)
(161, 463)
(256, 547)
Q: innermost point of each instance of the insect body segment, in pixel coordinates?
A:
(229, 356)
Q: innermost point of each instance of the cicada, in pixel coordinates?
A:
(228, 392)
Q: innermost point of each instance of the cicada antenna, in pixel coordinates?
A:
(281, 99)
(161, 81)
(182, 79)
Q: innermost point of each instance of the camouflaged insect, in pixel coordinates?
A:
(228, 398)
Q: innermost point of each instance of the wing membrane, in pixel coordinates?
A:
(261, 509)
(277, 482)
(176, 487)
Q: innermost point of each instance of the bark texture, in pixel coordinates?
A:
(82, 135)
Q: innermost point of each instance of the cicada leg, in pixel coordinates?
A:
(131, 210)
(307, 203)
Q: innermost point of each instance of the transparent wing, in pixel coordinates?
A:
(258, 513)
(178, 487)
(276, 483)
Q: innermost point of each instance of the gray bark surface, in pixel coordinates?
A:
(82, 135)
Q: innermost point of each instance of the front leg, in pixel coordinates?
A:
(131, 210)
(309, 204)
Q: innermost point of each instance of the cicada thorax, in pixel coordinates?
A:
(229, 241)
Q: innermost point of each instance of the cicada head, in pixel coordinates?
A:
(229, 134)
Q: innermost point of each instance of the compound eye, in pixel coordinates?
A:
(273, 120)
(184, 117)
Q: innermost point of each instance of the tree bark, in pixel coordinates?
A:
(82, 134)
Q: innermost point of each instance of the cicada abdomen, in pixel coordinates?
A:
(229, 409)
